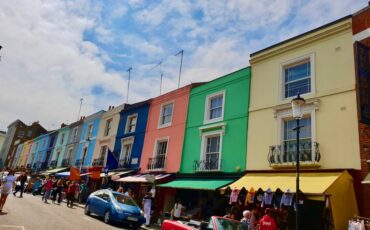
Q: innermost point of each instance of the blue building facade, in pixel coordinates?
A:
(87, 142)
(130, 135)
(17, 155)
(44, 146)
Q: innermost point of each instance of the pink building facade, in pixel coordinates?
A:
(165, 131)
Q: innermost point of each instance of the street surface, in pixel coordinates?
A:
(30, 213)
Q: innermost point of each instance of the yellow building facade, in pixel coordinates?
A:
(330, 101)
(319, 65)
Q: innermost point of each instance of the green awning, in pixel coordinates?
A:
(198, 183)
(367, 179)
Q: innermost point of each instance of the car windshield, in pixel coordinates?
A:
(225, 224)
(124, 199)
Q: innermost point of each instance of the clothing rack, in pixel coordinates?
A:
(361, 218)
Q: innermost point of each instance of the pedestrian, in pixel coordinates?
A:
(58, 191)
(177, 210)
(246, 220)
(120, 189)
(36, 186)
(47, 189)
(267, 222)
(147, 207)
(72, 188)
(8, 184)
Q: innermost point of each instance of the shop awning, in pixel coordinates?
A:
(63, 174)
(310, 183)
(366, 180)
(52, 171)
(197, 183)
(142, 178)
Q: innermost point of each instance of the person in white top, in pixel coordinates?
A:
(177, 209)
(8, 184)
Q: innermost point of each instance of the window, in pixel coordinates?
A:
(29, 133)
(20, 133)
(289, 141)
(57, 157)
(161, 148)
(166, 115)
(103, 152)
(214, 107)
(89, 131)
(211, 155)
(69, 153)
(62, 138)
(131, 123)
(297, 76)
(159, 159)
(44, 143)
(107, 127)
(126, 151)
(75, 130)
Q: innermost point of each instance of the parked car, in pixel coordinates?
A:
(114, 207)
(214, 223)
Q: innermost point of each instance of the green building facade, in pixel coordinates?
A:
(217, 124)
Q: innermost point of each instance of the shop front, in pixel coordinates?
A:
(327, 199)
(200, 197)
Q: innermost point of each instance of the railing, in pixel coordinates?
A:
(44, 165)
(98, 162)
(285, 155)
(78, 162)
(53, 163)
(124, 163)
(36, 165)
(211, 164)
(65, 162)
(28, 166)
(156, 163)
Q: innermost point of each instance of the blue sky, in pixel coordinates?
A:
(56, 52)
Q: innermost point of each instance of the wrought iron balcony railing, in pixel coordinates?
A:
(210, 164)
(285, 155)
(79, 162)
(53, 163)
(124, 163)
(65, 162)
(156, 163)
(98, 162)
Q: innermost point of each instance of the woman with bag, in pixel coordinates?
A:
(9, 183)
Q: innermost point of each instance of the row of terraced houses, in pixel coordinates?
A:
(236, 130)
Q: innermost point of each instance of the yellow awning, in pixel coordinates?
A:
(310, 183)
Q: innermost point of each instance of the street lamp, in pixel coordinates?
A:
(297, 104)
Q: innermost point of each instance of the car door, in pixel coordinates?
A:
(93, 202)
(103, 203)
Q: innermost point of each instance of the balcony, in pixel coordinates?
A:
(208, 165)
(53, 163)
(284, 156)
(156, 163)
(124, 163)
(79, 162)
(65, 162)
(98, 162)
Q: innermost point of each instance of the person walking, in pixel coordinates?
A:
(147, 207)
(72, 188)
(20, 188)
(8, 184)
(47, 190)
(58, 191)
(36, 186)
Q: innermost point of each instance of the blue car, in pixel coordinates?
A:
(114, 207)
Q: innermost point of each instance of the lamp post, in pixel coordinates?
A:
(297, 104)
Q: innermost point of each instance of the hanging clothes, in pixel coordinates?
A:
(234, 196)
(287, 199)
(268, 197)
(250, 196)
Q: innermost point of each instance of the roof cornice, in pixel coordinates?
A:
(300, 41)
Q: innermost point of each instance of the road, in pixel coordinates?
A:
(30, 213)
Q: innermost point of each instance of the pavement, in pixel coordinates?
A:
(30, 213)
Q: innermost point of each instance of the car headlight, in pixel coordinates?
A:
(141, 212)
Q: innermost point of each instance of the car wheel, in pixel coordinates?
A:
(107, 217)
(87, 209)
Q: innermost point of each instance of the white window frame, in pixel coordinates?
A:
(207, 120)
(157, 140)
(286, 114)
(75, 133)
(126, 141)
(62, 138)
(203, 147)
(127, 122)
(293, 62)
(160, 125)
(108, 126)
(69, 153)
(88, 135)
